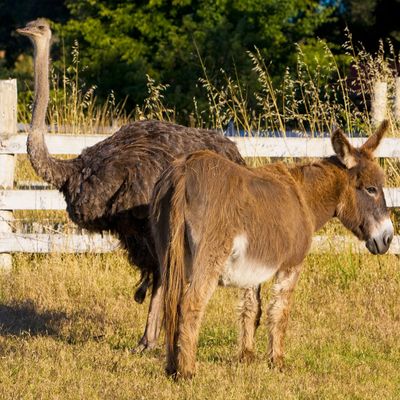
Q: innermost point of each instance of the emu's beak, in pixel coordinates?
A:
(24, 31)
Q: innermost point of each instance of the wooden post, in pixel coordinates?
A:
(379, 100)
(8, 127)
(397, 99)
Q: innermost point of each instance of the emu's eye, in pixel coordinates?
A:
(41, 27)
(372, 190)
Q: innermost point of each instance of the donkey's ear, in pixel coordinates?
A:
(373, 141)
(343, 149)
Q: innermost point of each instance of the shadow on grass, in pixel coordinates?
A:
(23, 318)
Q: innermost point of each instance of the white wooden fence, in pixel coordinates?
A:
(12, 143)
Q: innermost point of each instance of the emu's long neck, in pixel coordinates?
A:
(51, 170)
(42, 90)
(322, 185)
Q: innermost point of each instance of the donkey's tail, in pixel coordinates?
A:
(170, 195)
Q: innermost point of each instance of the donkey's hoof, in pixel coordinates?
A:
(171, 372)
(183, 375)
(246, 356)
(176, 375)
(276, 363)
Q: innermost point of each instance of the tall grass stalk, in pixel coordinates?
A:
(310, 99)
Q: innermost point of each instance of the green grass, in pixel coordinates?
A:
(68, 323)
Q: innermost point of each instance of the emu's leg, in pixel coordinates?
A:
(138, 242)
(140, 253)
(154, 320)
(249, 320)
(140, 293)
(278, 312)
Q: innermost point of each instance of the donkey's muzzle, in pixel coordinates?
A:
(380, 244)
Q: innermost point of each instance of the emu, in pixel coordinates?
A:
(216, 222)
(109, 185)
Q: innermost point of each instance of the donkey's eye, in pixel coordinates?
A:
(371, 190)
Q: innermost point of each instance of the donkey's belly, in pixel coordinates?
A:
(241, 271)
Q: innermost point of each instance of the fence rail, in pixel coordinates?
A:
(45, 199)
(96, 243)
(12, 199)
(56, 243)
(248, 147)
(53, 200)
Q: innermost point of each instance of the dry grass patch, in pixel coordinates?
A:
(67, 324)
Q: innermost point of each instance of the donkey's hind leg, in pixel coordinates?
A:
(249, 320)
(278, 313)
(193, 304)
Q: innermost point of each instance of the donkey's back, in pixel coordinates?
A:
(216, 222)
(261, 211)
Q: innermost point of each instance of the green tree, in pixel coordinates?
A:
(122, 41)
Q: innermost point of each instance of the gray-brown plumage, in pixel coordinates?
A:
(108, 186)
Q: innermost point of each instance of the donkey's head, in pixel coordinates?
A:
(362, 207)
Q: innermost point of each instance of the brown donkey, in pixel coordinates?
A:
(215, 222)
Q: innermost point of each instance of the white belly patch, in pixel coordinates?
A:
(241, 271)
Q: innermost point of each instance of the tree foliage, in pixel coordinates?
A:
(122, 41)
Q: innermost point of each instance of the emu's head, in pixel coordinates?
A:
(38, 31)
(362, 207)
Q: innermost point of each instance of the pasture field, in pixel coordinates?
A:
(68, 324)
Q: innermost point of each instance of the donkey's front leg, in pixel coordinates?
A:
(278, 312)
(249, 320)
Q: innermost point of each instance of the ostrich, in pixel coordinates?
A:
(109, 185)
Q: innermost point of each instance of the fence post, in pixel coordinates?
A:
(379, 100)
(8, 127)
